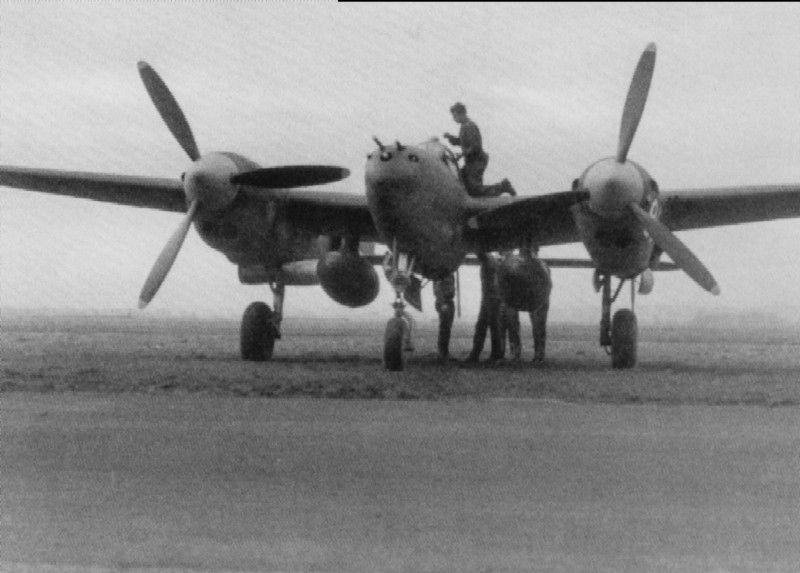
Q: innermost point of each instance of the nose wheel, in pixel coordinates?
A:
(617, 336)
(397, 338)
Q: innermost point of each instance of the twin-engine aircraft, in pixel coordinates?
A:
(281, 234)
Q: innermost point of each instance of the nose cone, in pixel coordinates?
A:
(390, 166)
(392, 176)
(612, 186)
(208, 181)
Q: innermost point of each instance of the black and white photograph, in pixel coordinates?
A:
(399, 287)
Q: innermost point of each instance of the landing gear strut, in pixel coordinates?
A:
(261, 326)
(617, 336)
(398, 329)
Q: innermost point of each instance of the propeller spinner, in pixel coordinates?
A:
(616, 186)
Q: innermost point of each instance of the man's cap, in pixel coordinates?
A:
(458, 107)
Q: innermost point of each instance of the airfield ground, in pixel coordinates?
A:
(146, 444)
(342, 359)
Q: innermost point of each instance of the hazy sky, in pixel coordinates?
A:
(312, 82)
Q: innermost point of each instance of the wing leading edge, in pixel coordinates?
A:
(320, 211)
(700, 208)
(148, 192)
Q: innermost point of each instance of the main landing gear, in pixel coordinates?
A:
(617, 336)
(261, 326)
(398, 330)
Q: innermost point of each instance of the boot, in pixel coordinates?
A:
(505, 187)
(538, 351)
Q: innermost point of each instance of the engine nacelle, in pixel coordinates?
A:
(524, 282)
(347, 278)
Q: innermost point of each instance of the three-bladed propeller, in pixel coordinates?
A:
(173, 117)
(211, 182)
(617, 185)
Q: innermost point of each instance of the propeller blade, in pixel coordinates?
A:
(677, 251)
(290, 176)
(637, 98)
(169, 110)
(164, 262)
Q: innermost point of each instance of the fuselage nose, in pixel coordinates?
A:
(208, 181)
(390, 168)
(417, 203)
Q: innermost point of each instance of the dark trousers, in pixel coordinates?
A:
(444, 291)
(472, 175)
(539, 325)
(488, 318)
(510, 328)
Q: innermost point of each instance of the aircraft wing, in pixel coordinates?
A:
(325, 212)
(545, 219)
(317, 211)
(700, 208)
(151, 192)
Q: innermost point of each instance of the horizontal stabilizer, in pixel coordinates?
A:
(576, 264)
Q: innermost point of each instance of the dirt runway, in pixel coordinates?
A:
(148, 445)
(220, 483)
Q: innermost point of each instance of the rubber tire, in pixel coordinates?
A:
(257, 335)
(624, 332)
(393, 356)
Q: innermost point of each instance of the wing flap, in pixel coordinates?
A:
(149, 192)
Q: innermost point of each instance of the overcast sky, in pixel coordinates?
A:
(312, 82)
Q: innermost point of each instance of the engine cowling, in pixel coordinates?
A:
(524, 282)
(347, 278)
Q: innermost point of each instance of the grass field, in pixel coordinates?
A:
(342, 359)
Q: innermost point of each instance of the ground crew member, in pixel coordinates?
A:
(509, 330)
(475, 158)
(489, 315)
(444, 292)
(509, 324)
(539, 325)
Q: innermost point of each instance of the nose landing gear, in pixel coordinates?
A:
(397, 337)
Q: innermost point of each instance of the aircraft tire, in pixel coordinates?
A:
(624, 332)
(257, 335)
(393, 357)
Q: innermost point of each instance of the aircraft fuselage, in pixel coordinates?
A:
(418, 203)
